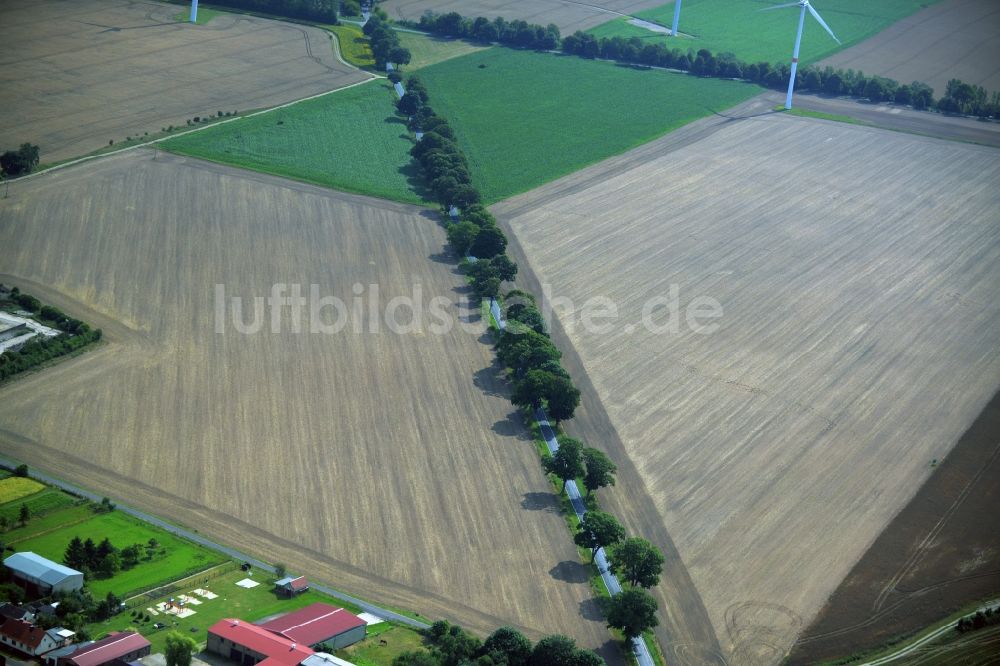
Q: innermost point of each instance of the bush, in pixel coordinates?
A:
(20, 161)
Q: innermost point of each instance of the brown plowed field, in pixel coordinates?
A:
(940, 552)
(569, 15)
(953, 39)
(860, 338)
(384, 464)
(77, 74)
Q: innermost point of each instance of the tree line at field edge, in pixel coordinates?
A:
(959, 97)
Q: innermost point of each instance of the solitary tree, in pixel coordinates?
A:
(566, 463)
(21, 470)
(600, 470)
(280, 570)
(525, 350)
(562, 399)
(633, 611)
(554, 651)
(510, 644)
(531, 389)
(24, 515)
(461, 235)
(505, 267)
(639, 561)
(76, 556)
(179, 649)
(408, 104)
(598, 530)
(489, 242)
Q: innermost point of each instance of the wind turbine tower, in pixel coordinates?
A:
(677, 17)
(194, 11)
(804, 4)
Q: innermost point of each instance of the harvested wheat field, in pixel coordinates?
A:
(382, 463)
(79, 74)
(857, 271)
(569, 15)
(953, 39)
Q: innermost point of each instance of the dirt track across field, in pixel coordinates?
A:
(76, 75)
(900, 119)
(855, 268)
(953, 39)
(385, 464)
(569, 15)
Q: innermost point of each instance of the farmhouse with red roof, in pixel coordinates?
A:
(123, 646)
(319, 623)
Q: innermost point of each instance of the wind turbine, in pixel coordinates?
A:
(194, 11)
(804, 4)
(677, 17)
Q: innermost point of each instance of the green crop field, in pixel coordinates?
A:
(181, 558)
(350, 140)
(739, 27)
(569, 112)
(39, 504)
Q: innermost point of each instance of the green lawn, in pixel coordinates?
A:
(737, 26)
(181, 557)
(39, 504)
(525, 118)
(373, 652)
(350, 140)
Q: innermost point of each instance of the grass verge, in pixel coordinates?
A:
(354, 47)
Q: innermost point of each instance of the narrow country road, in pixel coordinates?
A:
(639, 647)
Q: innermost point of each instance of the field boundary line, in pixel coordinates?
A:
(145, 144)
(176, 530)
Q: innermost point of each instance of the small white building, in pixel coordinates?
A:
(45, 576)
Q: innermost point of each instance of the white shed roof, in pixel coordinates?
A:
(37, 567)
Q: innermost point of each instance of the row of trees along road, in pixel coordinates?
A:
(385, 43)
(531, 359)
(450, 645)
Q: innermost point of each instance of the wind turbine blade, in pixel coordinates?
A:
(822, 22)
(790, 4)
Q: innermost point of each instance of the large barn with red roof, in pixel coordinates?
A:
(319, 623)
(247, 644)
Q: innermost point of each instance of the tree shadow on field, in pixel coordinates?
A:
(592, 609)
(512, 426)
(489, 381)
(394, 120)
(546, 502)
(569, 571)
(415, 180)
